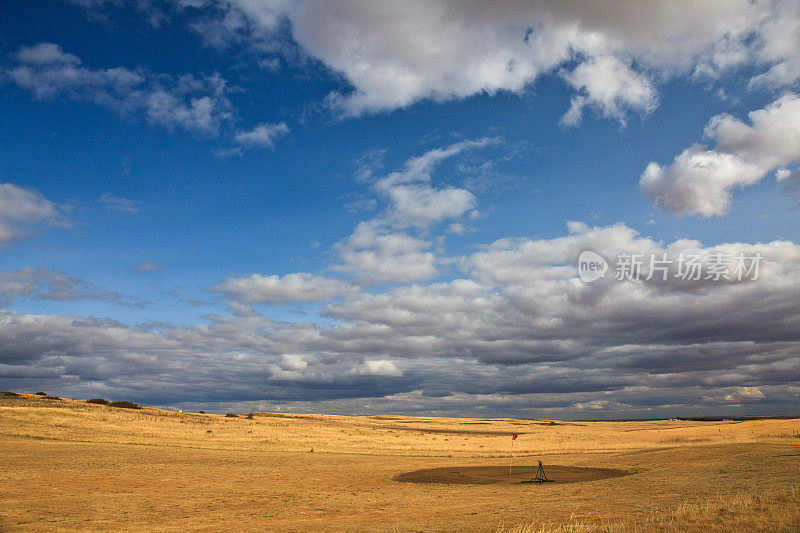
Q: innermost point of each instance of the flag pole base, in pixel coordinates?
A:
(541, 477)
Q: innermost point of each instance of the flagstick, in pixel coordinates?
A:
(511, 459)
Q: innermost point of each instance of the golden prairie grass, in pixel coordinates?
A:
(69, 465)
(766, 511)
(451, 437)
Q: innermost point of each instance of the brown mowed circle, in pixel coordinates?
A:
(487, 475)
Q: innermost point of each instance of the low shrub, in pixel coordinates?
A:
(249, 416)
(4, 393)
(201, 412)
(41, 394)
(231, 415)
(98, 400)
(124, 405)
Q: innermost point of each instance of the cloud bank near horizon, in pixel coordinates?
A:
(514, 329)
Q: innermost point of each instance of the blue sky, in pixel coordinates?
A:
(346, 208)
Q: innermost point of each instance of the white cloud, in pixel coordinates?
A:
(394, 55)
(379, 368)
(744, 393)
(778, 46)
(24, 211)
(383, 248)
(225, 153)
(419, 168)
(458, 228)
(116, 203)
(611, 86)
(413, 202)
(293, 363)
(46, 54)
(187, 102)
(301, 287)
(262, 135)
(772, 140)
(420, 205)
(374, 255)
(699, 180)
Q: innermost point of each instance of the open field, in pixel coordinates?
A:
(70, 465)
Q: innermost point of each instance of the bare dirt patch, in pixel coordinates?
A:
(487, 475)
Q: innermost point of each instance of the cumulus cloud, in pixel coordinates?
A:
(518, 332)
(384, 248)
(392, 56)
(611, 86)
(700, 180)
(413, 202)
(374, 255)
(395, 55)
(298, 287)
(262, 135)
(381, 368)
(198, 104)
(293, 363)
(24, 211)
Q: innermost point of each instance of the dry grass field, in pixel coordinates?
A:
(69, 465)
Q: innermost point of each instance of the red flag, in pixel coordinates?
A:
(513, 436)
